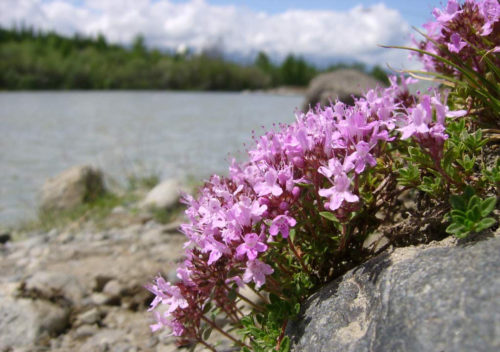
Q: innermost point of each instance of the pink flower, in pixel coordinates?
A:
(269, 185)
(339, 192)
(360, 158)
(334, 168)
(447, 15)
(256, 271)
(456, 44)
(418, 123)
(216, 249)
(167, 294)
(251, 247)
(281, 224)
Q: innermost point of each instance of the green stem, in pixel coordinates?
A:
(282, 334)
(210, 347)
(299, 258)
(229, 336)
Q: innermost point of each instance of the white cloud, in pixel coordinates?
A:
(319, 35)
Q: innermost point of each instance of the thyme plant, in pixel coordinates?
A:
(296, 214)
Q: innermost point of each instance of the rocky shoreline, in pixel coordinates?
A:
(84, 290)
(80, 286)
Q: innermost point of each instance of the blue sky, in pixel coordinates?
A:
(416, 12)
(321, 31)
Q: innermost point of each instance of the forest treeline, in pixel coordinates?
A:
(32, 59)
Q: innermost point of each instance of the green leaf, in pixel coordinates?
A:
(468, 192)
(285, 344)
(457, 203)
(455, 229)
(474, 201)
(329, 216)
(231, 295)
(292, 234)
(459, 218)
(475, 213)
(207, 308)
(296, 308)
(484, 224)
(206, 333)
(488, 205)
(456, 212)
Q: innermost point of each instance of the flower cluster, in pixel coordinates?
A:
(235, 221)
(462, 33)
(321, 166)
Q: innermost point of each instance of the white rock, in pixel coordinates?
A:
(48, 284)
(23, 321)
(71, 188)
(165, 195)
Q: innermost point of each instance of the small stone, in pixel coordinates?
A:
(99, 298)
(163, 196)
(85, 331)
(54, 284)
(375, 242)
(113, 288)
(71, 188)
(152, 236)
(100, 281)
(23, 321)
(89, 317)
(66, 237)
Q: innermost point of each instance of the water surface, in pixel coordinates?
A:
(175, 134)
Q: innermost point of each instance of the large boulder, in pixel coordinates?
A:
(24, 321)
(434, 298)
(165, 195)
(71, 188)
(53, 285)
(340, 84)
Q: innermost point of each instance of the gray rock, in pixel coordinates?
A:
(23, 322)
(52, 285)
(341, 84)
(99, 299)
(165, 195)
(89, 317)
(414, 299)
(71, 188)
(113, 288)
(104, 340)
(85, 331)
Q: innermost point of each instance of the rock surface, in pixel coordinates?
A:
(71, 188)
(438, 297)
(341, 84)
(164, 195)
(24, 322)
(83, 290)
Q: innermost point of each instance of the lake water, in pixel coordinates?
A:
(174, 134)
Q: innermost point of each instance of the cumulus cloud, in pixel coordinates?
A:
(317, 35)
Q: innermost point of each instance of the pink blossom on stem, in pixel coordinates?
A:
(251, 246)
(269, 184)
(257, 271)
(282, 224)
(339, 192)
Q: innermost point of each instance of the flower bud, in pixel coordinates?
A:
(264, 201)
(283, 206)
(298, 161)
